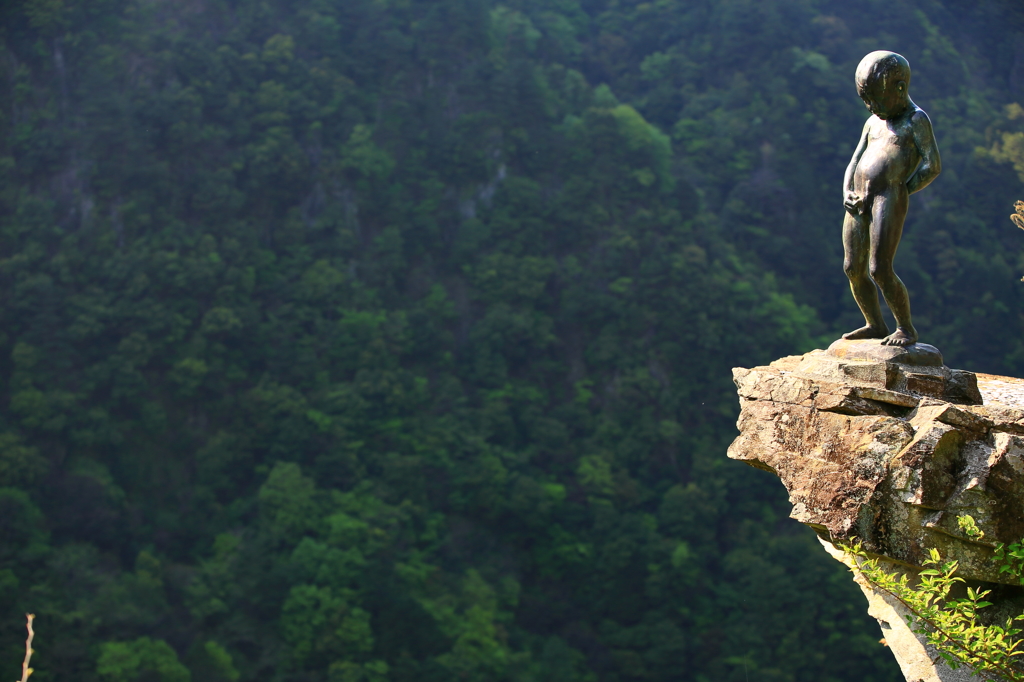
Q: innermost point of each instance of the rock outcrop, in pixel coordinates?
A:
(890, 446)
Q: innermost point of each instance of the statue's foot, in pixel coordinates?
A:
(900, 337)
(867, 332)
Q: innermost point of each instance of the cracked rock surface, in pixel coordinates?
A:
(890, 446)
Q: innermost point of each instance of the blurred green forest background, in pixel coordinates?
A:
(390, 340)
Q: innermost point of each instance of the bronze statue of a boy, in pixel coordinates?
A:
(896, 156)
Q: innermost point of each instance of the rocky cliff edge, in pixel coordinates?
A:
(890, 446)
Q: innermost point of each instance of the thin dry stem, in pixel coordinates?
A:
(25, 670)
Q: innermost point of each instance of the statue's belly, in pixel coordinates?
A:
(885, 165)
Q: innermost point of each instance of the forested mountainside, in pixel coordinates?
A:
(367, 340)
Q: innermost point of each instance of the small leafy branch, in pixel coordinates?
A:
(969, 526)
(25, 670)
(1012, 560)
(951, 624)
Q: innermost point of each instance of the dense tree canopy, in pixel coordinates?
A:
(389, 340)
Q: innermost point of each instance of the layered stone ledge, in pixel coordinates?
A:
(890, 446)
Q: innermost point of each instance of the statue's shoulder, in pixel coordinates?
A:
(919, 117)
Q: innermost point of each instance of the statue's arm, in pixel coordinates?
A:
(931, 163)
(855, 159)
(853, 202)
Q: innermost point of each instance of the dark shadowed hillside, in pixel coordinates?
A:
(389, 340)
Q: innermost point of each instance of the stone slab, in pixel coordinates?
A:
(915, 370)
(891, 466)
(1003, 391)
(917, 355)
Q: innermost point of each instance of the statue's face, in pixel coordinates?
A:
(880, 100)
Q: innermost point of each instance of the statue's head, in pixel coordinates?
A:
(883, 82)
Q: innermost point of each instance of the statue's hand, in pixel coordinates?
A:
(853, 203)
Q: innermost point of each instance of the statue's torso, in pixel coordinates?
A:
(889, 159)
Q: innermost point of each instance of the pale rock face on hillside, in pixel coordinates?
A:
(889, 446)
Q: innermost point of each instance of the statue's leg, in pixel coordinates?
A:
(887, 215)
(857, 250)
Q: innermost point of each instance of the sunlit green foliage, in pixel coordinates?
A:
(950, 623)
